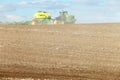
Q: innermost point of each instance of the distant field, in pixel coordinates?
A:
(60, 52)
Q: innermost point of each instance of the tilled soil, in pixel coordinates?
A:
(60, 52)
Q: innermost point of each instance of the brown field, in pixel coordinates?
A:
(60, 52)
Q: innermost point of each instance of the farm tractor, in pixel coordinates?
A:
(44, 18)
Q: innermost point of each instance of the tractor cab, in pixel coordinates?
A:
(65, 18)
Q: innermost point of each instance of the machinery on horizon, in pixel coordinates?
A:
(64, 18)
(45, 18)
(41, 17)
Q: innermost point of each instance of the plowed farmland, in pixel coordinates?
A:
(60, 52)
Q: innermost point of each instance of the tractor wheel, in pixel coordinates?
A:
(33, 23)
(55, 22)
(62, 22)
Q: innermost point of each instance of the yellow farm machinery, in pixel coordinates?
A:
(45, 18)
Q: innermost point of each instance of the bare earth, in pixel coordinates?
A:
(61, 52)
